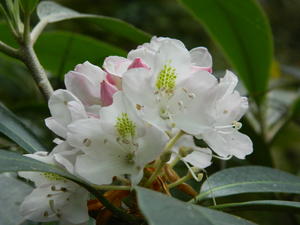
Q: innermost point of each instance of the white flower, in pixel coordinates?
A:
(89, 84)
(65, 154)
(200, 57)
(54, 198)
(199, 157)
(180, 93)
(214, 118)
(84, 83)
(118, 144)
(116, 65)
(171, 84)
(64, 108)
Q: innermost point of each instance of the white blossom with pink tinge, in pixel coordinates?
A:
(89, 84)
(200, 57)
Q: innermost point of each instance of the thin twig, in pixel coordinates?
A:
(10, 51)
(31, 61)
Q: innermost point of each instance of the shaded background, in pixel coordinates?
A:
(168, 18)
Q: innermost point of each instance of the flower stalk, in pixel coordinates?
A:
(112, 187)
(181, 180)
(164, 158)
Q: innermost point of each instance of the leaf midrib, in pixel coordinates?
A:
(204, 194)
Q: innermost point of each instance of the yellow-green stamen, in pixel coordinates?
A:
(125, 127)
(166, 78)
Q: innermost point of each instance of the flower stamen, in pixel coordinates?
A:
(166, 79)
(125, 127)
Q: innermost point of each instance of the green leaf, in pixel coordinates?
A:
(13, 128)
(52, 12)
(261, 204)
(28, 5)
(14, 162)
(242, 31)
(160, 209)
(248, 179)
(60, 51)
(7, 36)
(12, 193)
(295, 109)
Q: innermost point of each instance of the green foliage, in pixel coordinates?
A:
(13, 128)
(262, 204)
(59, 51)
(249, 179)
(242, 31)
(50, 12)
(160, 209)
(14, 162)
(28, 5)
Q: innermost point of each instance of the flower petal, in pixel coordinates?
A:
(56, 127)
(36, 204)
(66, 155)
(150, 145)
(61, 111)
(200, 157)
(230, 108)
(120, 105)
(138, 63)
(88, 135)
(76, 211)
(232, 143)
(93, 73)
(107, 91)
(174, 55)
(86, 91)
(200, 57)
(101, 166)
(116, 65)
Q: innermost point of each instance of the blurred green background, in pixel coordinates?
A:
(168, 18)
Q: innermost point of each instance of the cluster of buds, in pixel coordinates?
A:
(132, 121)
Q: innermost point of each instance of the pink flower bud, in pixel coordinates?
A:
(107, 91)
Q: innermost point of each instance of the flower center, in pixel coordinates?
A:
(166, 79)
(164, 114)
(125, 127)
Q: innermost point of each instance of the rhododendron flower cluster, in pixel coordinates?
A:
(133, 114)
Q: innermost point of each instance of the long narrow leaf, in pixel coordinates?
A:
(13, 128)
(242, 31)
(249, 179)
(160, 209)
(52, 12)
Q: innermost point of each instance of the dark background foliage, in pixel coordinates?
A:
(168, 18)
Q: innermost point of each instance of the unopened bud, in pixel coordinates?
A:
(200, 176)
(165, 157)
(184, 151)
(195, 169)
